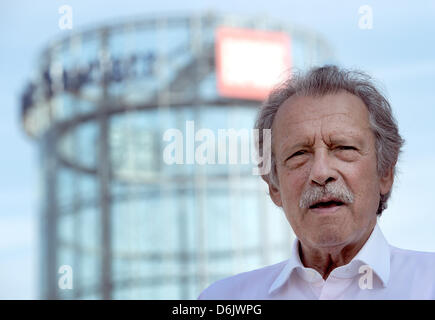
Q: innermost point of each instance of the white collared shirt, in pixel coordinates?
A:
(378, 271)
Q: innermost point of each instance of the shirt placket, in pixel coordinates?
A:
(333, 288)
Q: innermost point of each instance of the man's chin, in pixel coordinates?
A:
(329, 237)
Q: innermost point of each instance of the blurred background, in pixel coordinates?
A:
(83, 182)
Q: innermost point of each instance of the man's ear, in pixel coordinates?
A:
(386, 181)
(273, 191)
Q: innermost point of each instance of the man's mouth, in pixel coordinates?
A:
(326, 204)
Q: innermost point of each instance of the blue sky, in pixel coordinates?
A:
(399, 51)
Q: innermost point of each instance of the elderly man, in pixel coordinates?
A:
(335, 145)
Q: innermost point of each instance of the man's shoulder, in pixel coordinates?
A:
(412, 254)
(413, 258)
(252, 284)
(414, 269)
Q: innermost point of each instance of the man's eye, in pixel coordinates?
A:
(298, 153)
(346, 148)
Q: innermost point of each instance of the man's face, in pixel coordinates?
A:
(325, 144)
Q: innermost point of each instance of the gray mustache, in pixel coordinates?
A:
(315, 194)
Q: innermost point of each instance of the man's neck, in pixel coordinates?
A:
(326, 259)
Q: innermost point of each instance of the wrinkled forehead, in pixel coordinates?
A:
(303, 117)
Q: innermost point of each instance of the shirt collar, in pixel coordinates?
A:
(375, 253)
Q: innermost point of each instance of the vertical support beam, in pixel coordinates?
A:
(164, 111)
(105, 208)
(104, 170)
(181, 195)
(49, 221)
(48, 224)
(199, 178)
(77, 223)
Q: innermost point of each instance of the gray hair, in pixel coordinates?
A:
(330, 79)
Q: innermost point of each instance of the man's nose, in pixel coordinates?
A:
(321, 170)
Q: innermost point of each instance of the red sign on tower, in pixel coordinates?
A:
(250, 62)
